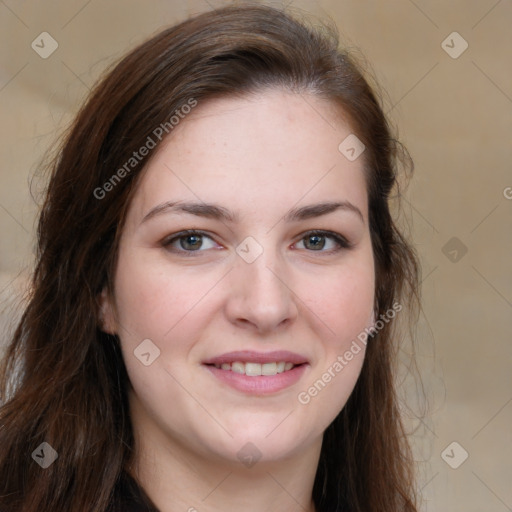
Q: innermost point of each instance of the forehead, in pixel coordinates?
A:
(270, 147)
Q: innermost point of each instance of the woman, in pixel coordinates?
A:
(211, 323)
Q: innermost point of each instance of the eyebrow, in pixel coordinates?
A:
(213, 211)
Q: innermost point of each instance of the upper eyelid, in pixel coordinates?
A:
(187, 232)
(323, 232)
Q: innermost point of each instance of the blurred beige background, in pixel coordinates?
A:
(453, 108)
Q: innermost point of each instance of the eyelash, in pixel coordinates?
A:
(340, 240)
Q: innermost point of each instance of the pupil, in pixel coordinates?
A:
(196, 241)
(317, 243)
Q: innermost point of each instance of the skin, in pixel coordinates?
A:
(259, 156)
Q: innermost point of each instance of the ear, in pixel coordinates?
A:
(106, 314)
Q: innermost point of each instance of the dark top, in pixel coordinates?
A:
(130, 497)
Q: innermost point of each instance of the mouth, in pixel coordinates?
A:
(256, 372)
(257, 369)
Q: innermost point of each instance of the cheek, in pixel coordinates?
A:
(344, 301)
(344, 304)
(151, 300)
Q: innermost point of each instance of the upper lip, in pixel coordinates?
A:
(248, 356)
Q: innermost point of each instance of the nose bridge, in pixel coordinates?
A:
(260, 294)
(260, 277)
(262, 274)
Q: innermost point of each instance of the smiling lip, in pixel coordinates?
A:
(261, 384)
(248, 356)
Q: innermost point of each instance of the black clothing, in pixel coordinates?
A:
(130, 497)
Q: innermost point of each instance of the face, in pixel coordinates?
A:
(271, 273)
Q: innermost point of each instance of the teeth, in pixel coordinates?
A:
(256, 369)
(252, 369)
(238, 367)
(269, 369)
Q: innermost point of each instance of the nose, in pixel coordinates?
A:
(261, 294)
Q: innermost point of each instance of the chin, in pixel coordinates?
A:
(266, 442)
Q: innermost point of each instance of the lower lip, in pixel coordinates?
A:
(261, 384)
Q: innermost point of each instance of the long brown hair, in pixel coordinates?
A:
(63, 380)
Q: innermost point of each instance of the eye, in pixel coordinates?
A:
(318, 240)
(188, 241)
(193, 241)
